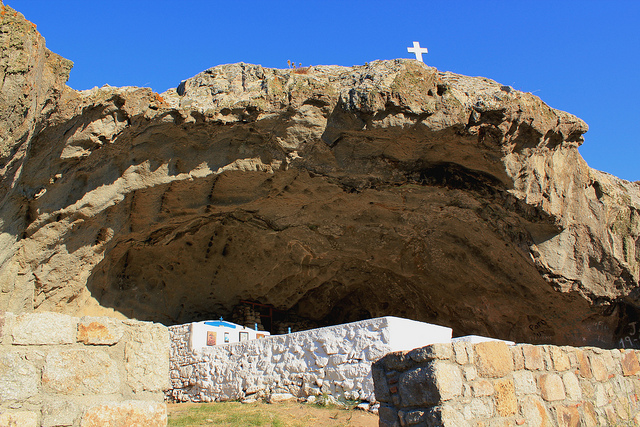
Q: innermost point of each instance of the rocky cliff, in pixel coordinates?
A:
(329, 192)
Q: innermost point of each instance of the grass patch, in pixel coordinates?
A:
(259, 414)
(223, 414)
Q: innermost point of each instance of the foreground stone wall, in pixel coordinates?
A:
(492, 384)
(334, 361)
(58, 370)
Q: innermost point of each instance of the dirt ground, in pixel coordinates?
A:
(286, 414)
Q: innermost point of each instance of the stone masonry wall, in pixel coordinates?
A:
(334, 361)
(58, 370)
(492, 384)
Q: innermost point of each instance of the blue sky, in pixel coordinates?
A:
(579, 56)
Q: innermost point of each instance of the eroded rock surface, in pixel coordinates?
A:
(334, 193)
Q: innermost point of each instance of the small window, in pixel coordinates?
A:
(226, 337)
(244, 336)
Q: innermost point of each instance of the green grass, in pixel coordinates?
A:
(225, 414)
(260, 414)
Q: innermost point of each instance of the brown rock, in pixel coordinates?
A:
(572, 386)
(590, 417)
(533, 357)
(493, 359)
(126, 414)
(629, 363)
(567, 416)
(551, 387)
(584, 368)
(99, 331)
(505, 398)
(560, 359)
(482, 387)
(535, 412)
(518, 358)
(460, 352)
(598, 369)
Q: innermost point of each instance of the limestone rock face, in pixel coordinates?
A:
(330, 192)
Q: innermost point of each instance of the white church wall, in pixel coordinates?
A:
(217, 332)
(335, 361)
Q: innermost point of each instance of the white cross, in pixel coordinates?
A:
(417, 50)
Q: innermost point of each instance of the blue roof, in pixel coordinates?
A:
(221, 323)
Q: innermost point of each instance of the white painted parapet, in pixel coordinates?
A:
(335, 361)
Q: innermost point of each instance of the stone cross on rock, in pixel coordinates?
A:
(417, 50)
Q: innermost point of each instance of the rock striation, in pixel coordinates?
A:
(333, 193)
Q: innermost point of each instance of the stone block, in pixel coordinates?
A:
(600, 393)
(478, 408)
(535, 412)
(432, 352)
(412, 417)
(448, 379)
(147, 357)
(44, 328)
(398, 361)
(629, 363)
(81, 371)
(612, 366)
(505, 397)
(493, 359)
(388, 416)
(559, 358)
(470, 373)
(460, 352)
(19, 377)
(380, 383)
(280, 397)
(567, 416)
(598, 369)
(524, 382)
(590, 417)
(611, 416)
(533, 357)
(471, 353)
(446, 415)
(551, 387)
(546, 356)
(588, 390)
(518, 358)
(19, 419)
(59, 413)
(482, 387)
(126, 414)
(99, 331)
(572, 386)
(417, 387)
(583, 364)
